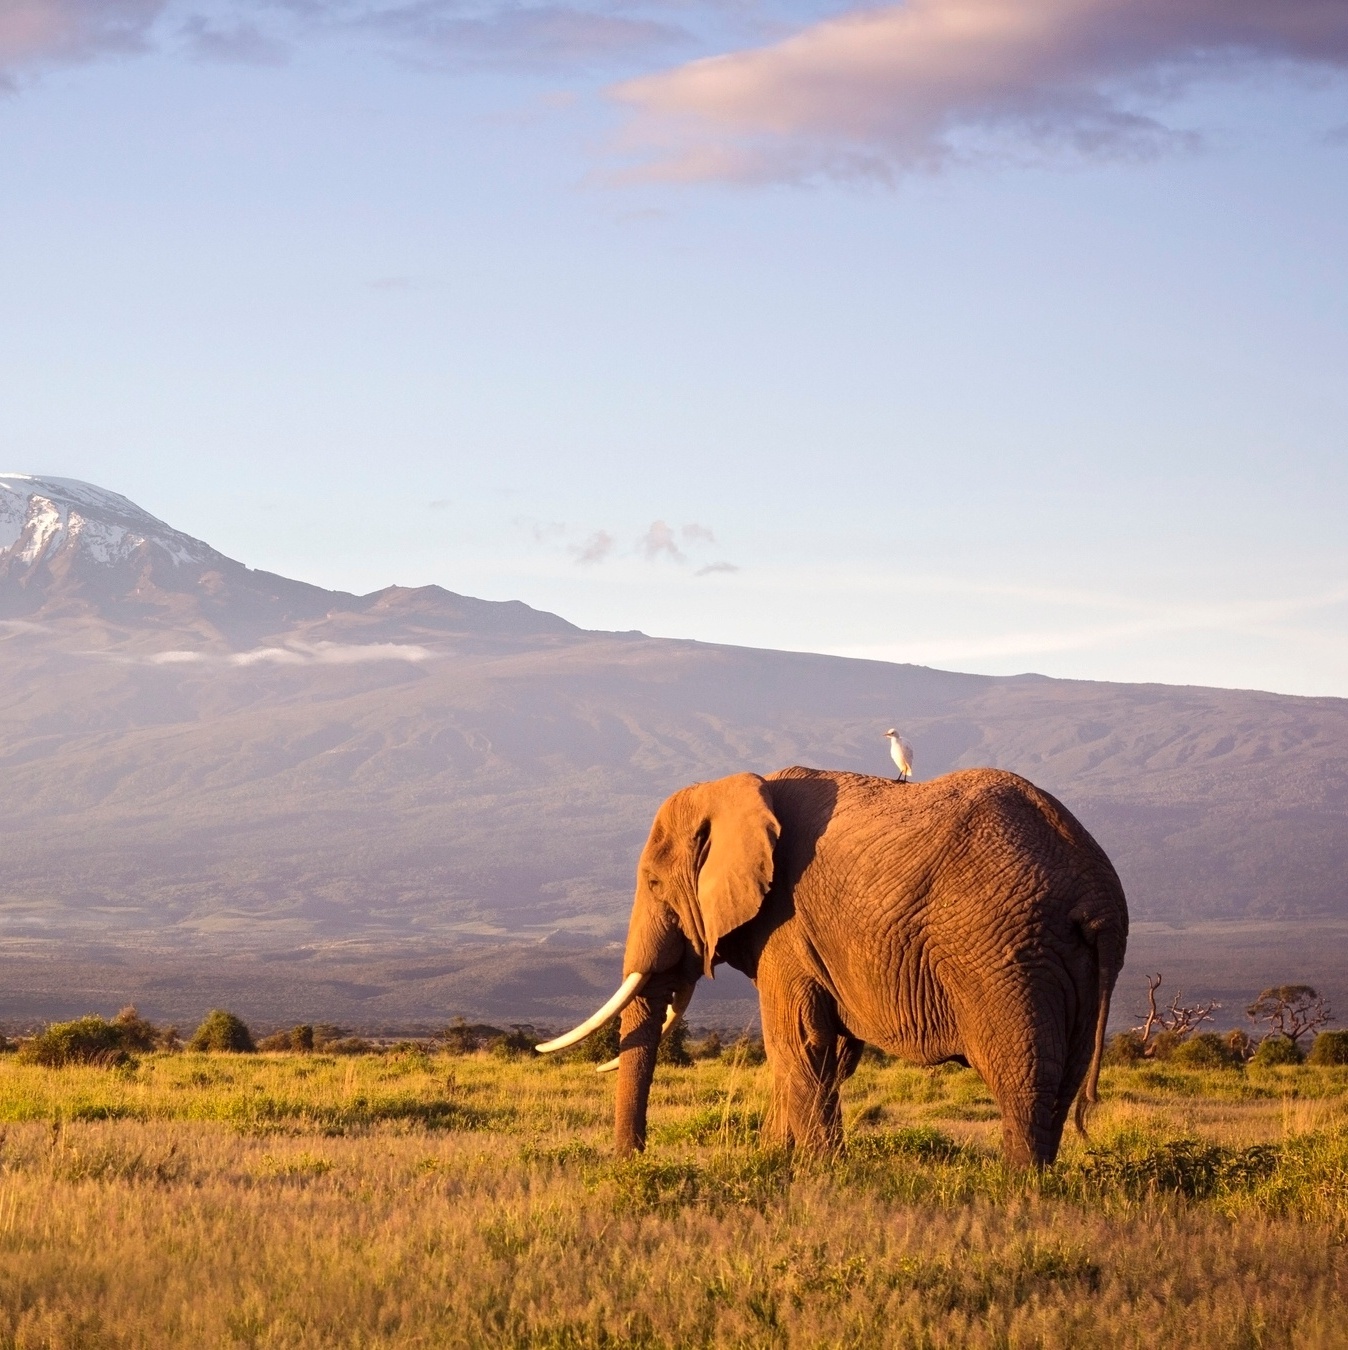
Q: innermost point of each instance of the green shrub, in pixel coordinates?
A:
(221, 1031)
(1330, 1047)
(674, 1046)
(87, 1040)
(1275, 1049)
(709, 1047)
(598, 1048)
(1163, 1045)
(1207, 1050)
(460, 1038)
(348, 1045)
(300, 1038)
(1124, 1048)
(749, 1050)
(519, 1040)
(135, 1032)
(1190, 1167)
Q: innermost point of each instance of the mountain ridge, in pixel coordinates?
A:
(195, 761)
(70, 548)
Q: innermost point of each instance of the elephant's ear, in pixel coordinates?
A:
(736, 839)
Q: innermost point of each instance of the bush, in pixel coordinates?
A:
(141, 1035)
(87, 1040)
(348, 1045)
(1329, 1047)
(1207, 1050)
(674, 1046)
(300, 1038)
(221, 1031)
(1124, 1048)
(519, 1040)
(749, 1050)
(458, 1038)
(709, 1047)
(1164, 1044)
(597, 1048)
(1275, 1049)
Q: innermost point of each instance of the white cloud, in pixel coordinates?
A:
(331, 654)
(880, 91)
(175, 658)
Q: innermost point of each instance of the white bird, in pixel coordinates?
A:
(901, 753)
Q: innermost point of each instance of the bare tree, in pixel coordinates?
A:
(1291, 1010)
(1180, 1019)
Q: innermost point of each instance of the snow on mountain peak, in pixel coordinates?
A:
(42, 517)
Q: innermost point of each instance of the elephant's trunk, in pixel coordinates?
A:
(640, 1041)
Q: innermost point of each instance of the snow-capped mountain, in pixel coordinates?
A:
(45, 519)
(71, 549)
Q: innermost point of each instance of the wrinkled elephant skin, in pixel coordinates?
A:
(969, 918)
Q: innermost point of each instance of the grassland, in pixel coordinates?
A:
(415, 1199)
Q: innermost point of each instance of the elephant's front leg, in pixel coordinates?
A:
(810, 1055)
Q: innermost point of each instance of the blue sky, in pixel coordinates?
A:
(997, 335)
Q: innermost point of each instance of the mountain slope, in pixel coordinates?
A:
(190, 749)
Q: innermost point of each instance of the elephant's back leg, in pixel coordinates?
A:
(1027, 1037)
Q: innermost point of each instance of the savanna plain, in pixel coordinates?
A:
(414, 1197)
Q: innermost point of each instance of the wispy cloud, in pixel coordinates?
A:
(296, 654)
(886, 90)
(444, 32)
(1147, 621)
(332, 654)
(438, 34)
(235, 43)
(596, 548)
(35, 33)
(659, 542)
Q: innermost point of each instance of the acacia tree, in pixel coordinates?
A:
(1291, 1010)
(1180, 1019)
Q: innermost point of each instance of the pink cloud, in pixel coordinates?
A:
(596, 548)
(36, 32)
(659, 540)
(919, 84)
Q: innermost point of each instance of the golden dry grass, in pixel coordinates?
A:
(418, 1200)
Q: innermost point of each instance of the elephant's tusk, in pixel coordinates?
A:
(672, 1015)
(627, 991)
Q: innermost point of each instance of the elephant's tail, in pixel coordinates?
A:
(1107, 932)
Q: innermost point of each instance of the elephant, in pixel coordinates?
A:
(969, 918)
